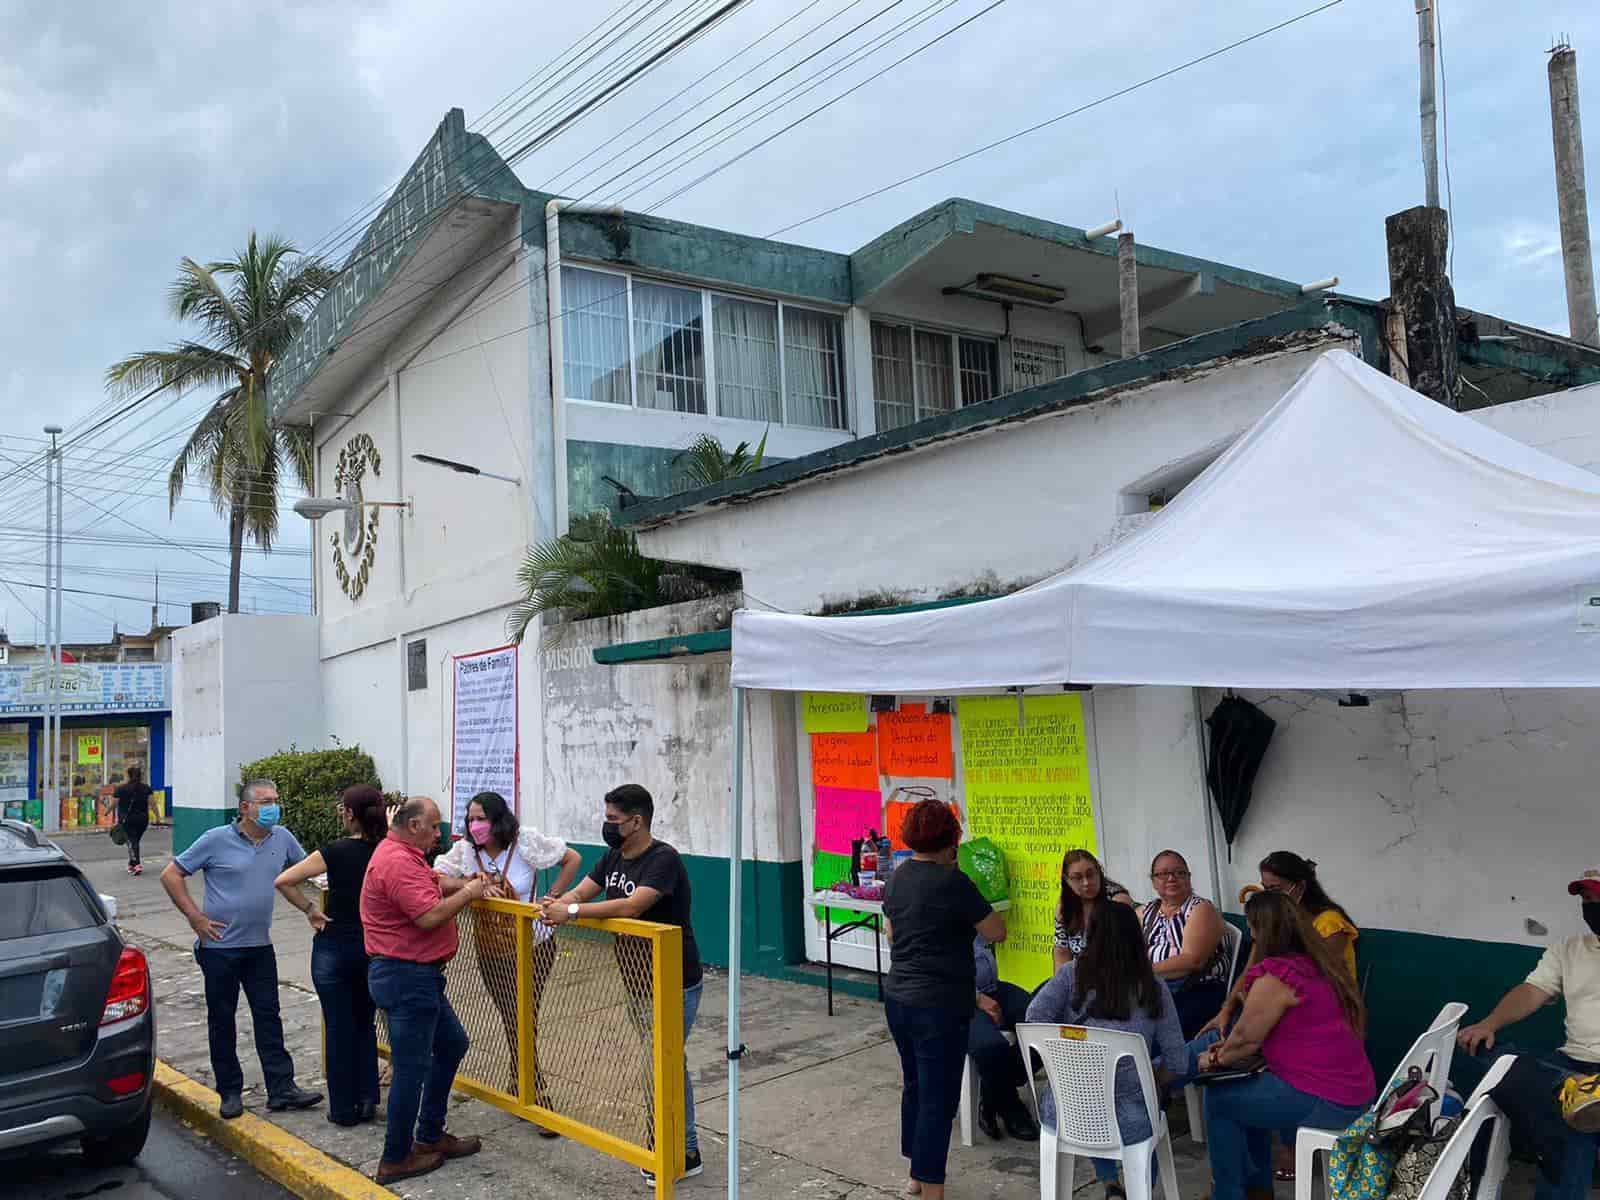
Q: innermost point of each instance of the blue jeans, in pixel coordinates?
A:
(641, 1012)
(1577, 1159)
(1000, 1069)
(339, 972)
(1241, 1119)
(426, 1045)
(253, 969)
(933, 1054)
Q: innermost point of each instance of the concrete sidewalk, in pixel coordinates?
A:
(820, 1111)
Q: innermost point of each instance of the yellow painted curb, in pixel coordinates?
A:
(297, 1165)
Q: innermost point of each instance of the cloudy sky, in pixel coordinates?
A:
(132, 135)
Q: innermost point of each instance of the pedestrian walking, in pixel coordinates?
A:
(408, 914)
(233, 941)
(339, 955)
(645, 879)
(133, 815)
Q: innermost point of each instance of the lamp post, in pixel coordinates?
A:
(53, 635)
(461, 468)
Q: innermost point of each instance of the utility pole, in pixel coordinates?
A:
(1572, 197)
(52, 619)
(1430, 119)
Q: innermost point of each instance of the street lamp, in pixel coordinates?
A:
(461, 468)
(314, 508)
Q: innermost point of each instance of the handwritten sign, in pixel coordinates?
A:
(834, 712)
(844, 814)
(90, 750)
(1028, 790)
(845, 760)
(894, 817)
(914, 743)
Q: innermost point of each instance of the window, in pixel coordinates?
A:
(138, 654)
(417, 665)
(44, 901)
(916, 373)
(634, 342)
(1036, 362)
(669, 348)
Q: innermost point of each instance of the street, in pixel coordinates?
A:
(177, 1164)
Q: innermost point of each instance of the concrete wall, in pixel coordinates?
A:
(243, 687)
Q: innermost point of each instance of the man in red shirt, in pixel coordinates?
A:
(409, 917)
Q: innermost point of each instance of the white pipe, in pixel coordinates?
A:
(1321, 285)
(735, 885)
(1430, 123)
(1100, 231)
(558, 417)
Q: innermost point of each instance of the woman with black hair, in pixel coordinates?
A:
(339, 954)
(500, 850)
(1084, 888)
(1112, 985)
(1286, 872)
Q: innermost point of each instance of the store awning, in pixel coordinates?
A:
(1359, 536)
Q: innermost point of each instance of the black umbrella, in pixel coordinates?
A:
(1240, 733)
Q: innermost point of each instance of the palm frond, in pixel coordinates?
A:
(705, 462)
(597, 572)
(185, 366)
(198, 295)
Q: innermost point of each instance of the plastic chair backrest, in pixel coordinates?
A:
(1480, 1108)
(1433, 1051)
(1232, 939)
(1080, 1062)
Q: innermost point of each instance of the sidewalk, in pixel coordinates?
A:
(820, 1111)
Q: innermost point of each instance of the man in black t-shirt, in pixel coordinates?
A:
(646, 880)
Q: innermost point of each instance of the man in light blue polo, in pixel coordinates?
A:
(233, 940)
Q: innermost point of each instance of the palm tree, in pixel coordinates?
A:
(706, 462)
(249, 309)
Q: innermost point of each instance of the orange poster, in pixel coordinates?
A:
(915, 744)
(894, 815)
(845, 760)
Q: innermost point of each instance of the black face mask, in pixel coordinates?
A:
(1591, 916)
(611, 833)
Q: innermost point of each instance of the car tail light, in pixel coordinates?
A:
(130, 988)
(126, 1085)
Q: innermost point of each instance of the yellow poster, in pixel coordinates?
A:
(1028, 791)
(834, 712)
(90, 751)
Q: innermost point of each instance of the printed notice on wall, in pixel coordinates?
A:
(484, 744)
(1028, 790)
(13, 764)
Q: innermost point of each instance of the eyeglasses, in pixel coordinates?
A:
(1165, 876)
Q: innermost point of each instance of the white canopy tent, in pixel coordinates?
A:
(1358, 537)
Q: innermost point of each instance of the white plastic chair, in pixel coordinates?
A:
(1480, 1109)
(1432, 1053)
(1081, 1064)
(1232, 939)
(967, 1114)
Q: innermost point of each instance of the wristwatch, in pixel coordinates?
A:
(572, 910)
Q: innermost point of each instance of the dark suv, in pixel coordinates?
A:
(77, 1013)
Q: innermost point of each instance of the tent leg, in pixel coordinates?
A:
(735, 886)
(1205, 802)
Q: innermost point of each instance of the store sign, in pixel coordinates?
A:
(483, 750)
(85, 688)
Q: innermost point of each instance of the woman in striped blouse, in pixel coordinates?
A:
(1183, 932)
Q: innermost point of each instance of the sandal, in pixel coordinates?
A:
(1283, 1174)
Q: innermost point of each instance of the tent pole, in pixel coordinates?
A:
(735, 886)
(1205, 801)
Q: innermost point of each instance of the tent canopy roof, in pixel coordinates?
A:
(1359, 536)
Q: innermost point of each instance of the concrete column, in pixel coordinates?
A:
(1420, 292)
(1572, 200)
(1128, 294)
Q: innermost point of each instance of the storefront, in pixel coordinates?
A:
(114, 716)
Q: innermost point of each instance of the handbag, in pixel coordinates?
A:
(1358, 1168)
(1417, 1163)
(118, 835)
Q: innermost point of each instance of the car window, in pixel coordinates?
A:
(35, 902)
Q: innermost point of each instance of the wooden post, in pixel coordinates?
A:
(1420, 292)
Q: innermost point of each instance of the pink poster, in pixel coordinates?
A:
(844, 814)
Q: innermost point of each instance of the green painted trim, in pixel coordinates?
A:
(189, 823)
(1070, 391)
(1575, 366)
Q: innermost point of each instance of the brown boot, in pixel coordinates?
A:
(418, 1162)
(451, 1146)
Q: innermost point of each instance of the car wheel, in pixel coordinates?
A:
(120, 1148)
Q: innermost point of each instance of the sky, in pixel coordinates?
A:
(132, 136)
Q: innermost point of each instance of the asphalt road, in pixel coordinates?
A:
(177, 1164)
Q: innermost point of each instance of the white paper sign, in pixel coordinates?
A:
(484, 742)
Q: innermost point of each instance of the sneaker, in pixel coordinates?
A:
(1580, 1102)
(692, 1166)
(138, 868)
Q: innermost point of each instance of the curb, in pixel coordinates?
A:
(277, 1154)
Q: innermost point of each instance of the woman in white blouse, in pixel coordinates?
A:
(498, 848)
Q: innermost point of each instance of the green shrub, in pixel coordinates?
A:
(309, 784)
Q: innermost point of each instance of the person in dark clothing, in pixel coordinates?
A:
(133, 814)
(931, 911)
(1001, 1006)
(339, 955)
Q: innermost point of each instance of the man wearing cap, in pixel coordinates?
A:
(1568, 971)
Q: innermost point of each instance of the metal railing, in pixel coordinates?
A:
(577, 1029)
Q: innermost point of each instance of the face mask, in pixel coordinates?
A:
(479, 830)
(611, 831)
(267, 815)
(1591, 916)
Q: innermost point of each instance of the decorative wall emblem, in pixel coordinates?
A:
(355, 548)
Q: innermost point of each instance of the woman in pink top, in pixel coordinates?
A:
(1303, 1015)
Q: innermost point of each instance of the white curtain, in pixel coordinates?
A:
(595, 335)
(745, 346)
(935, 378)
(669, 348)
(813, 359)
(894, 395)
